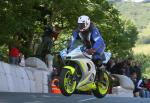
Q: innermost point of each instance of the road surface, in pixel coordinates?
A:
(76, 98)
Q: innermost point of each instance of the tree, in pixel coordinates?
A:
(23, 20)
(119, 35)
(17, 23)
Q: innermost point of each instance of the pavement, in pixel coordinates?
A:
(75, 98)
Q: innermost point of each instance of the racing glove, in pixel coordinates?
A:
(90, 51)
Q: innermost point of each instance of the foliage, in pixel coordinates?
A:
(17, 23)
(144, 60)
(138, 12)
(22, 23)
(126, 39)
(142, 55)
(119, 35)
(4, 53)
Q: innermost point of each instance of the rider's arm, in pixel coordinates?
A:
(139, 84)
(99, 44)
(73, 39)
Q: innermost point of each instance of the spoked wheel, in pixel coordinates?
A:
(102, 86)
(67, 82)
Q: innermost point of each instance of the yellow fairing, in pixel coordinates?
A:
(72, 69)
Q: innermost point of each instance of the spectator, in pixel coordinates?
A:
(137, 69)
(147, 85)
(110, 65)
(47, 40)
(58, 63)
(116, 69)
(1, 56)
(22, 60)
(136, 91)
(143, 85)
(140, 86)
(126, 68)
(14, 55)
(130, 67)
(49, 61)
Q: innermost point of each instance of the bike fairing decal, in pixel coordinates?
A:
(72, 69)
(85, 82)
(87, 87)
(81, 64)
(81, 86)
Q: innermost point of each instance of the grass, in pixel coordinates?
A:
(142, 49)
(146, 73)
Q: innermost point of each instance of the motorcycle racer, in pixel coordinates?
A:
(91, 38)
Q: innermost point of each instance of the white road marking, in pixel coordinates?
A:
(87, 99)
(45, 96)
(49, 96)
(33, 102)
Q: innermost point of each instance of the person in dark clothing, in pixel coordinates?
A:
(137, 69)
(1, 56)
(136, 90)
(140, 86)
(110, 65)
(47, 40)
(144, 91)
(116, 69)
(126, 68)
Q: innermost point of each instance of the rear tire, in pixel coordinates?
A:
(102, 87)
(67, 82)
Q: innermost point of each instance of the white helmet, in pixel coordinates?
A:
(84, 22)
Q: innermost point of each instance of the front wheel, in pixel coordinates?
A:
(67, 82)
(102, 86)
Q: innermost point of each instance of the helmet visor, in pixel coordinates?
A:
(81, 26)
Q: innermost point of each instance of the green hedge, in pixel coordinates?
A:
(144, 60)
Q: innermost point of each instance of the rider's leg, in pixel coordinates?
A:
(98, 59)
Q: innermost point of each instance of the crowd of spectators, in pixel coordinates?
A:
(131, 69)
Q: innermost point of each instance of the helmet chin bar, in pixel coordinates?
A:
(82, 30)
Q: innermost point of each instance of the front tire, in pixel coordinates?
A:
(67, 82)
(102, 86)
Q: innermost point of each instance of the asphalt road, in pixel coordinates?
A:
(76, 98)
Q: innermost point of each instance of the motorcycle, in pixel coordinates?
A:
(80, 73)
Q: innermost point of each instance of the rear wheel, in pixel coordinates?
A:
(67, 82)
(102, 86)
